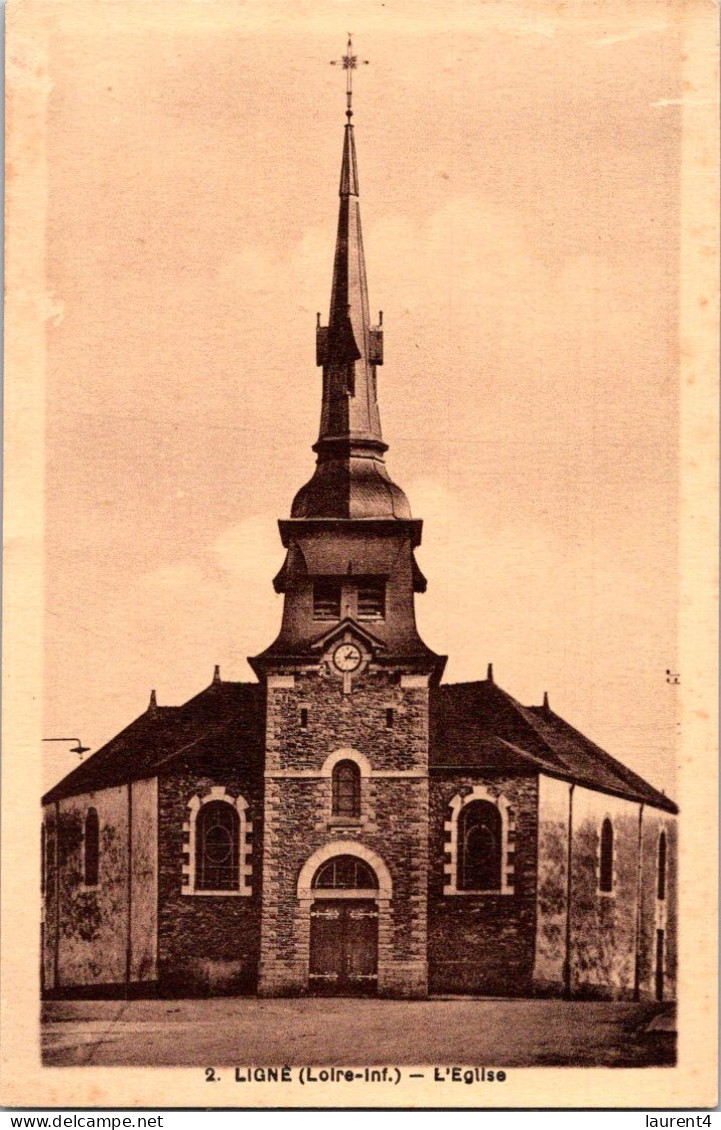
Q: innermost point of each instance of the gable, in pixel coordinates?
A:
(222, 715)
(480, 725)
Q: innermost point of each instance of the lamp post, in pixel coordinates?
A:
(77, 748)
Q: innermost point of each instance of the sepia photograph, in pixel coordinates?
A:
(353, 657)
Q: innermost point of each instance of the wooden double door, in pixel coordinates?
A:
(344, 947)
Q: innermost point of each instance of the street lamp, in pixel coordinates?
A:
(78, 748)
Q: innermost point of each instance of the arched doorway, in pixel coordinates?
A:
(344, 928)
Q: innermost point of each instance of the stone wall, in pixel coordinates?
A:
(658, 914)
(86, 939)
(49, 910)
(93, 920)
(356, 720)
(603, 926)
(144, 892)
(483, 943)
(393, 825)
(607, 930)
(512, 943)
(548, 973)
(207, 943)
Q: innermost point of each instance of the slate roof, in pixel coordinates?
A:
(472, 725)
(479, 724)
(224, 716)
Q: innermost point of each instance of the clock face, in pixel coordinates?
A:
(347, 657)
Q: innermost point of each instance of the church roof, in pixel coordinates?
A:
(165, 732)
(478, 724)
(473, 726)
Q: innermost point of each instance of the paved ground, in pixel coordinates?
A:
(246, 1031)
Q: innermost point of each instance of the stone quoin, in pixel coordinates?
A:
(348, 823)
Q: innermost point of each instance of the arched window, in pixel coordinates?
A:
(217, 847)
(661, 886)
(479, 847)
(605, 871)
(92, 848)
(346, 789)
(344, 873)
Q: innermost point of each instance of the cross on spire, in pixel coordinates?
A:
(350, 479)
(349, 62)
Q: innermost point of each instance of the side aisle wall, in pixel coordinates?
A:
(208, 943)
(605, 929)
(657, 965)
(106, 933)
(483, 943)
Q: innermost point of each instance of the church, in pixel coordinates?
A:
(347, 823)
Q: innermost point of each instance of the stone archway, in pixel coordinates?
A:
(344, 893)
(344, 847)
(343, 958)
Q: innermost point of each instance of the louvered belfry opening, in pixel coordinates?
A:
(326, 599)
(371, 599)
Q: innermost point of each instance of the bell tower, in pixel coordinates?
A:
(348, 676)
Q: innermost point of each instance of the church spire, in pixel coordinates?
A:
(350, 539)
(351, 479)
(348, 348)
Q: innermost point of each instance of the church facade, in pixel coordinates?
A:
(348, 823)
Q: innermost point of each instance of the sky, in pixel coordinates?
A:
(519, 176)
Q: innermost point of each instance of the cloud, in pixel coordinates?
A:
(566, 617)
(492, 287)
(563, 615)
(510, 589)
(250, 547)
(219, 602)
